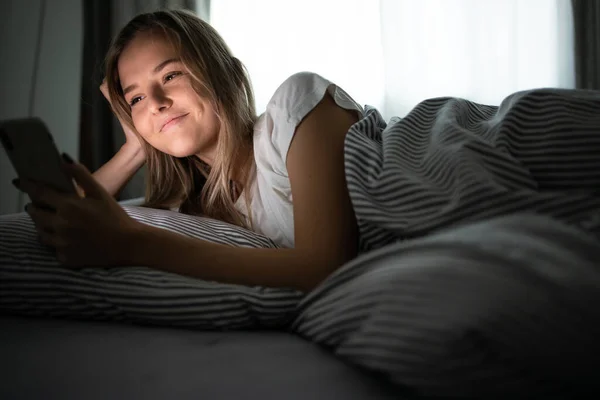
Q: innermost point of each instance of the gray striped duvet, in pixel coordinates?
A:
(505, 308)
(451, 298)
(451, 161)
(482, 222)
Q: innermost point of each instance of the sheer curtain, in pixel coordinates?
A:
(391, 54)
(481, 50)
(339, 39)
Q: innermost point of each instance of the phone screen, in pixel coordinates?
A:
(33, 153)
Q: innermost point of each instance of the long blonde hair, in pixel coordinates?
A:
(188, 182)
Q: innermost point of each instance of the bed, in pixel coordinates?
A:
(45, 357)
(478, 278)
(57, 359)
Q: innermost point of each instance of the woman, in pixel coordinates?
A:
(187, 109)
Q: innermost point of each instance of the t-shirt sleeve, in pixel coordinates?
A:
(292, 102)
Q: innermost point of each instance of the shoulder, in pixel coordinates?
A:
(299, 94)
(290, 104)
(295, 97)
(297, 90)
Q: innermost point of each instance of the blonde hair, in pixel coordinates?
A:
(188, 182)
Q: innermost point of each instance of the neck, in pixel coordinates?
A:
(208, 159)
(242, 169)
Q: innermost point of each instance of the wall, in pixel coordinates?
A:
(52, 91)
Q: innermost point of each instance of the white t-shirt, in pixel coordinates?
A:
(271, 205)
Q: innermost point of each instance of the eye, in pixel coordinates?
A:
(135, 100)
(171, 75)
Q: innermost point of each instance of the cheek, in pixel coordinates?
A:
(141, 124)
(214, 124)
(208, 116)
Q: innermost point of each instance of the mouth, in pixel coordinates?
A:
(172, 122)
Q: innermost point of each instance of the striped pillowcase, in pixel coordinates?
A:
(32, 283)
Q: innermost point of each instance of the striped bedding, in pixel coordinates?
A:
(451, 161)
(480, 230)
(505, 308)
(480, 224)
(33, 283)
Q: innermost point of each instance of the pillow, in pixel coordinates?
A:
(32, 282)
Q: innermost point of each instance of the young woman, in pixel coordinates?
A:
(186, 106)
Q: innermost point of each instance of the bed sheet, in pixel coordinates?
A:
(62, 359)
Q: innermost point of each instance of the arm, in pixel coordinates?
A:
(325, 227)
(119, 170)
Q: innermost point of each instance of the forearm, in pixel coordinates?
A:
(115, 174)
(165, 250)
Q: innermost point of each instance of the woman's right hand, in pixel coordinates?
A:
(131, 138)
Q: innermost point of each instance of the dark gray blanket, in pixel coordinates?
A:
(491, 288)
(504, 308)
(452, 161)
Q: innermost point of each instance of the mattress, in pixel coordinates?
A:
(61, 359)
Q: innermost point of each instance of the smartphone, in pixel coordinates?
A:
(33, 153)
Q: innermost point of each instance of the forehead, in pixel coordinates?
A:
(141, 55)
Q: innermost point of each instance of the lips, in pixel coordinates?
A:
(170, 121)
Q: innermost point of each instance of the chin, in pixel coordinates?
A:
(183, 150)
(181, 153)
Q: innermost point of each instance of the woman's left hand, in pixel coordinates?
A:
(90, 231)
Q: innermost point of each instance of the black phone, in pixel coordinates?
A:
(33, 153)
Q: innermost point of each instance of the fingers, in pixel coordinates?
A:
(45, 222)
(85, 180)
(47, 238)
(104, 89)
(42, 195)
(79, 190)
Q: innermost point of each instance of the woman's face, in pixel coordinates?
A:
(165, 109)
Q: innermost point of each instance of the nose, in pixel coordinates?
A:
(159, 101)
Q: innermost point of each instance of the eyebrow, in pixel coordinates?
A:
(157, 69)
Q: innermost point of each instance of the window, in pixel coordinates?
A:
(338, 39)
(391, 54)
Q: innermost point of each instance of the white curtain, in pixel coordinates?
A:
(392, 54)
